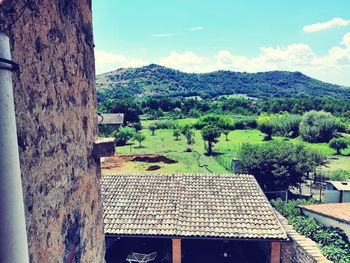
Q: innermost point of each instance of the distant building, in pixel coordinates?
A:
(109, 122)
(335, 215)
(337, 192)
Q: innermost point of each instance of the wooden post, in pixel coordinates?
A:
(275, 252)
(176, 250)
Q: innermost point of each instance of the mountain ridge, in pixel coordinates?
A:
(158, 81)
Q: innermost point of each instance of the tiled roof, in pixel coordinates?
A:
(188, 205)
(111, 118)
(337, 211)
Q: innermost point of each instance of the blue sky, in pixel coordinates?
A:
(205, 35)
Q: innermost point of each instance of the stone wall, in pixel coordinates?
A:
(57, 126)
(299, 249)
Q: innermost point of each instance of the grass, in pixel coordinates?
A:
(163, 143)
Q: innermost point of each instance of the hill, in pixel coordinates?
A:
(158, 81)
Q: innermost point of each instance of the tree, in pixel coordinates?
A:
(265, 125)
(123, 135)
(226, 132)
(152, 127)
(279, 165)
(189, 137)
(130, 108)
(211, 133)
(266, 128)
(139, 137)
(338, 144)
(317, 126)
(176, 134)
(187, 131)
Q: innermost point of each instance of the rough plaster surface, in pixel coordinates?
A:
(57, 126)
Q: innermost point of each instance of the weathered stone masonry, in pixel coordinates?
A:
(57, 126)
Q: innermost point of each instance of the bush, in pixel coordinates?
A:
(123, 135)
(167, 124)
(339, 175)
(286, 125)
(338, 144)
(333, 242)
(245, 123)
(289, 209)
(220, 121)
(317, 126)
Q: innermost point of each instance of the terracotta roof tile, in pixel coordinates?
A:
(192, 205)
(339, 211)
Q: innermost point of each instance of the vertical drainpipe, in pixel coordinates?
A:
(13, 235)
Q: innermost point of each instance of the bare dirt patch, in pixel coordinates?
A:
(121, 163)
(153, 159)
(153, 168)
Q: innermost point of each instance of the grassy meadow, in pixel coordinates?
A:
(163, 143)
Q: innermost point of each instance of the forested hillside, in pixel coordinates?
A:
(157, 81)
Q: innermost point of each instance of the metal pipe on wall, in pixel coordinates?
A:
(13, 235)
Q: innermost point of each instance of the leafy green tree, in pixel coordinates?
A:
(211, 133)
(139, 137)
(220, 121)
(317, 126)
(226, 132)
(130, 108)
(187, 131)
(278, 165)
(152, 127)
(267, 128)
(338, 144)
(123, 135)
(265, 125)
(176, 134)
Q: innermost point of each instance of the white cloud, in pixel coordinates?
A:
(163, 35)
(334, 66)
(196, 28)
(335, 22)
(106, 61)
(187, 61)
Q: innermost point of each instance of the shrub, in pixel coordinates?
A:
(220, 121)
(286, 125)
(333, 242)
(338, 144)
(245, 123)
(139, 137)
(123, 135)
(317, 126)
(167, 124)
(339, 175)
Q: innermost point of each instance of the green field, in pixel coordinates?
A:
(163, 143)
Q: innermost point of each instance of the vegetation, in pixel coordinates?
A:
(123, 135)
(177, 134)
(318, 126)
(279, 165)
(211, 133)
(152, 128)
(338, 144)
(333, 242)
(158, 81)
(139, 137)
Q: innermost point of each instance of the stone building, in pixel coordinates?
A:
(55, 105)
